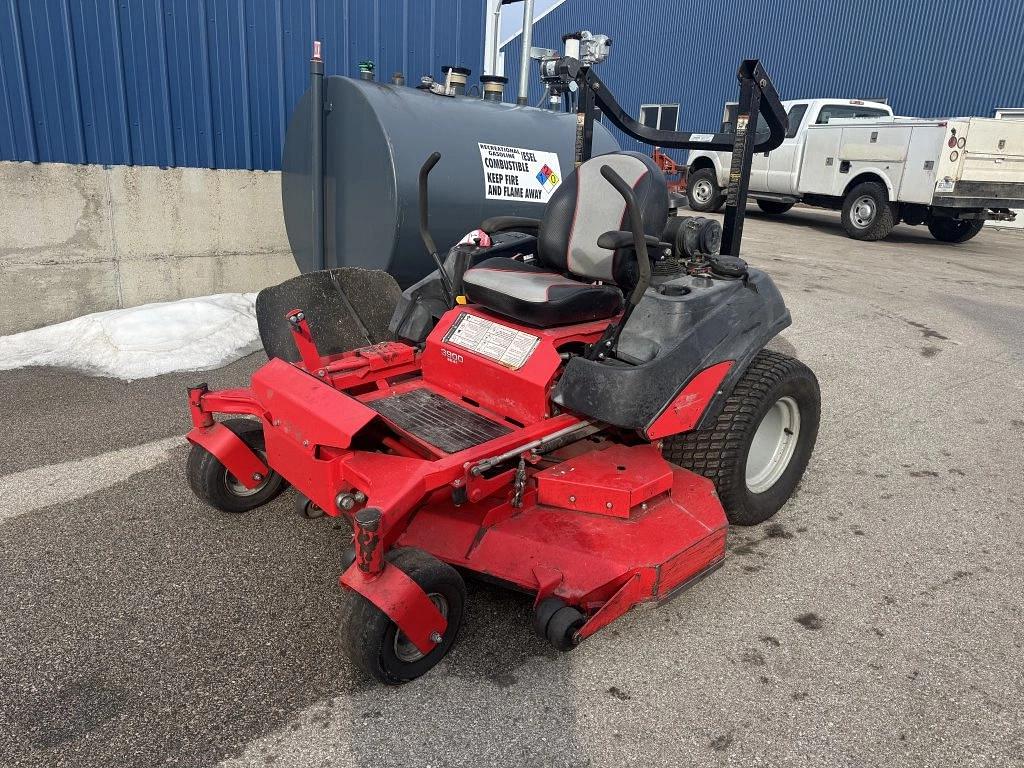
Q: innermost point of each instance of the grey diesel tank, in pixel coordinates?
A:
(375, 138)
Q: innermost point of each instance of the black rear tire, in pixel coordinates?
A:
(867, 212)
(773, 207)
(702, 191)
(373, 640)
(721, 452)
(211, 481)
(949, 230)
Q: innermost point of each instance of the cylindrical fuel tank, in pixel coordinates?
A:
(376, 137)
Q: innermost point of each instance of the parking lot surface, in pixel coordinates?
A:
(876, 621)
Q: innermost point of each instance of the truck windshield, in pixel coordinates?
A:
(830, 111)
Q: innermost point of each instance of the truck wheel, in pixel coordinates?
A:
(211, 481)
(760, 444)
(378, 646)
(867, 212)
(702, 191)
(950, 230)
(773, 208)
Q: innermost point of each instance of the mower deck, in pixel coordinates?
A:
(670, 529)
(596, 523)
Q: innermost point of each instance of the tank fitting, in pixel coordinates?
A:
(455, 79)
(493, 87)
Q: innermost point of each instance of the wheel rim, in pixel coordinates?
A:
(702, 191)
(863, 212)
(405, 650)
(773, 445)
(233, 484)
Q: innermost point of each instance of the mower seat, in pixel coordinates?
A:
(539, 297)
(573, 279)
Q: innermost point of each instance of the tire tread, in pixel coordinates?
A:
(884, 222)
(716, 452)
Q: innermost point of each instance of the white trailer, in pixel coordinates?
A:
(878, 169)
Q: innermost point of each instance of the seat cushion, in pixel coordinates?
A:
(538, 297)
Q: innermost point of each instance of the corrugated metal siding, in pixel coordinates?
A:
(202, 83)
(929, 59)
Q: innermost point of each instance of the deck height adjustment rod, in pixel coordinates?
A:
(535, 445)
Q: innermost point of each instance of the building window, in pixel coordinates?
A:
(663, 117)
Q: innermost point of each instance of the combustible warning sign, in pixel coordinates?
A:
(514, 173)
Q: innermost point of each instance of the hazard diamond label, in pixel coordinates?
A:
(514, 173)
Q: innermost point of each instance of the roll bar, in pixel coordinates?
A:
(758, 97)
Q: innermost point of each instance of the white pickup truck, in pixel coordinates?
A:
(878, 169)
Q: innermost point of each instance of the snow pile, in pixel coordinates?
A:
(186, 335)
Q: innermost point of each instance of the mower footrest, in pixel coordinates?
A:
(437, 420)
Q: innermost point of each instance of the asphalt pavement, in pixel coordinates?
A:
(877, 621)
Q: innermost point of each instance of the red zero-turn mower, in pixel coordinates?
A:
(574, 407)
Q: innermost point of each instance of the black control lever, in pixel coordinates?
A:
(610, 338)
(636, 226)
(428, 241)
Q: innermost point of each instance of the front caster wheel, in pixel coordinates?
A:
(211, 481)
(374, 641)
(759, 446)
(558, 623)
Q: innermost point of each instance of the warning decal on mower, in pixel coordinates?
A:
(513, 173)
(497, 342)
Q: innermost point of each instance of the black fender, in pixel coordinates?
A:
(668, 340)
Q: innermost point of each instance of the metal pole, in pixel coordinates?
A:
(742, 158)
(584, 122)
(316, 87)
(524, 59)
(495, 39)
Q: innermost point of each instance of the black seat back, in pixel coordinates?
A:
(586, 205)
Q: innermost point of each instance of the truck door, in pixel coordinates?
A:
(759, 172)
(784, 160)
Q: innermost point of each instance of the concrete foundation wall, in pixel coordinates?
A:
(76, 239)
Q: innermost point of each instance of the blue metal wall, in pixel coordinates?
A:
(928, 58)
(202, 83)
